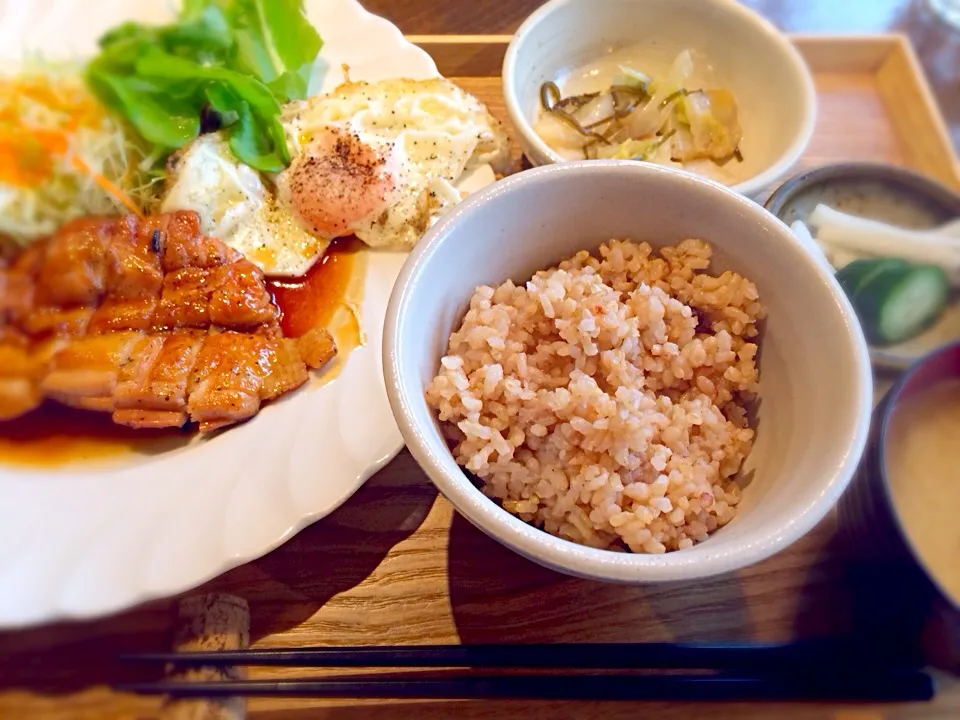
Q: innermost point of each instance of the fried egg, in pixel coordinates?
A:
(409, 142)
(379, 160)
(236, 205)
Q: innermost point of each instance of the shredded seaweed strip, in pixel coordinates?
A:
(554, 104)
(735, 155)
(549, 95)
(676, 95)
(661, 139)
(620, 111)
(576, 101)
(640, 90)
(609, 130)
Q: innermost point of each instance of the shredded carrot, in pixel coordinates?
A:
(62, 154)
(108, 186)
(10, 172)
(54, 142)
(26, 157)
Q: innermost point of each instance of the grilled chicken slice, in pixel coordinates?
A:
(117, 275)
(49, 321)
(230, 296)
(240, 297)
(74, 264)
(177, 239)
(235, 373)
(85, 372)
(16, 286)
(20, 374)
(148, 320)
(317, 348)
(214, 379)
(225, 384)
(153, 393)
(116, 314)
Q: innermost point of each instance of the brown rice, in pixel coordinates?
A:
(605, 401)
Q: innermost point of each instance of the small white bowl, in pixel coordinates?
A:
(767, 76)
(815, 386)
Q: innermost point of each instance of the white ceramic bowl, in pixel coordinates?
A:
(815, 388)
(770, 81)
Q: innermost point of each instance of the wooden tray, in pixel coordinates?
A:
(396, 564)
(874, 100)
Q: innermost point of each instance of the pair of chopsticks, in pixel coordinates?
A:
(809, 670)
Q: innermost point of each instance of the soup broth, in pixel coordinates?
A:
(923, 467)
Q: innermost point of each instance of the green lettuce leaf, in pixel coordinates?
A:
(206, 31)
(274, 42)
(171, 124)
(237, 59)
(255, 107)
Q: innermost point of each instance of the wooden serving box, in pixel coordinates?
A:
(406, 568)
(397, 565)
(874, 102)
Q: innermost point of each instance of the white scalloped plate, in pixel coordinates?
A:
(91, 541)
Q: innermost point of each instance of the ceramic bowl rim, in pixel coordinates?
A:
(893, 401)
(556, 552)
(860, 170)
(867, 171)
(773, 171)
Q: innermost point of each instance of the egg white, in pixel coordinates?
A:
(432, 132)
(434, 137)
(235, 205)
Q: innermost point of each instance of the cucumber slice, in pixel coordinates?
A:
(897, 302)
(854, 276)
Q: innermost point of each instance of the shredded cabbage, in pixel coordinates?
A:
(62, 156)
(630, 76)
(667, 120)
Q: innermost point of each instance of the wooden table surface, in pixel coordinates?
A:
(937, 44)
(396, 564)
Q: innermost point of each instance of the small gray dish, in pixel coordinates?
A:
(890, 194)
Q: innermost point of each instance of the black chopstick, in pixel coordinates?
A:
(880, 687)
(762, 657)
